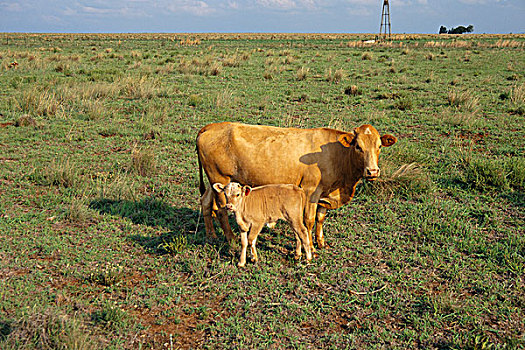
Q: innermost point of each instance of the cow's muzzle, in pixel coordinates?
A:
(372, 174)
(230, 207)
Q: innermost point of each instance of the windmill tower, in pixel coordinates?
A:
(385, 20)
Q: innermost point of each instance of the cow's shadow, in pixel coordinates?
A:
(175, 222)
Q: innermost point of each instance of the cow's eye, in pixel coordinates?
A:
(357, 147)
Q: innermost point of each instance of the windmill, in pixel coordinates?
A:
(385, 20)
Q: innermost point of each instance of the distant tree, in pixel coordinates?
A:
(442, 30)
(461, 30)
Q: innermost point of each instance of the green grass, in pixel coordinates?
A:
(103, 243)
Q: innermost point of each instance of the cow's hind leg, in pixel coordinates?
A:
(207, 211)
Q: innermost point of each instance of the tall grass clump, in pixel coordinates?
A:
(40, 102)
(465, 100)
(138, 87)
(143, 162)
(517, 99)
(408, 181)
(48, 330)
(78, 212)
(57, 173)
(302, 73)
(111, 317)
(366, 56)
(334, 76)
(486, 174)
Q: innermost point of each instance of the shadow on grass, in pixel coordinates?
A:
(180, 222)
(5, 329)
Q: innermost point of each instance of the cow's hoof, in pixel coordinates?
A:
(241, 265)
(297, 256)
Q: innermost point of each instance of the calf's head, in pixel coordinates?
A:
(365, 144)
(234, 193)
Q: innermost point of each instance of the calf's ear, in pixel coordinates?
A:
(218, 187)
(247, 190)
(346, 139)
(388, 140)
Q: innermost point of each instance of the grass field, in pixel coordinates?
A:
(102, 245)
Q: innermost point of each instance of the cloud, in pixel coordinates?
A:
(11, 6)
(278, 4)
(197, 8)
(364, 2)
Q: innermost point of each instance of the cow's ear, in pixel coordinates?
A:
(388, 140)
(218, 187)
(346, 139)
(247, 190)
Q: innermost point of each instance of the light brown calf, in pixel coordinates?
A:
(255, 207)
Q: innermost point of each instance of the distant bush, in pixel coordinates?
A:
(457, 30)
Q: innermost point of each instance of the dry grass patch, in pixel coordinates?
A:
(465, 100)
(366, 56)
(40, 102)
(407, 181)
(302, 73)
(334, 76)
(48, 329)
(143, 162)
(138, 87)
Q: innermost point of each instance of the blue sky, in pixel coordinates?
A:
(304, 16)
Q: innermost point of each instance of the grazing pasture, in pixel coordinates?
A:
(102, 245)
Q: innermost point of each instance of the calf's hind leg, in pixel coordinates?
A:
(301, 234)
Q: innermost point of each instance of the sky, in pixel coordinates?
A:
(246, 16)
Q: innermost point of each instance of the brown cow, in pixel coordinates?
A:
(326, 163)
(255, 207)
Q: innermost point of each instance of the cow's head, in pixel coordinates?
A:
(234, 193)
(365, 144)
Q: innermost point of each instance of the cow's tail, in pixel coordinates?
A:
(202, 186)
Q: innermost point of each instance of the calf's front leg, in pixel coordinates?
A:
(252, 239)
(244, 246)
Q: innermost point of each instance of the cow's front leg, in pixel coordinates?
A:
(222, 215)
(321, 215)
(309, 220)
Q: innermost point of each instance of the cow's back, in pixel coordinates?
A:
(259, 155)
